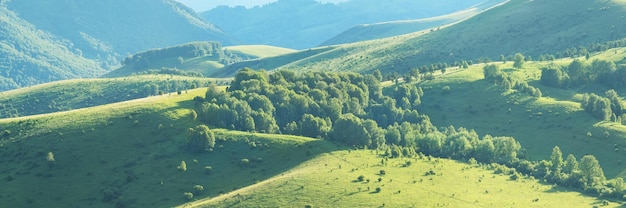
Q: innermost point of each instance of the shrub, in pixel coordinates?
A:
(378, 189)
(50, 157)
(198, 188)
(188, 195)
(360, 178)
(245, 162)
(200, 138)
(182, 166)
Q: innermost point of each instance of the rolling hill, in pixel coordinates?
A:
(533, 28)
(108, 156)
(394, 28)
(464, 98)
(196, 58)
(307, 23)
(81, 93)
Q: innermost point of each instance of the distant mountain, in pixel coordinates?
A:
(301, 24)
(533, 28)
(393, 28)
(30, 56)
(89, 37)
(100, 28)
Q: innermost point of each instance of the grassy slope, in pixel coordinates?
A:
(80, 93)
(207, 65)
(259, 51)
(133, 149)
(394, 28)
(530, 27)
(539, 124)
(330, 180)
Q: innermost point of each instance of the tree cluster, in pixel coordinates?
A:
(608, 108)
(494, 74)
(189, 50)
(578, 73)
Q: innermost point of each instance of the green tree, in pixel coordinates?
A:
(571, 164)
(557, 159)
(591, 171)
(349, 129)
(200, 138)
(518, 60)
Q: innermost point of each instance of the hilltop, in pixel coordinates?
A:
(307, 23)
(193, 59)
(534, 28)
(81, 93)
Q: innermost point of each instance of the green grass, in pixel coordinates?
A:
(81, 93)
(133, 148)
(530, 27)
(556, 119)
(208, 65)
(330, 180)
(394, 28)
(259, 51)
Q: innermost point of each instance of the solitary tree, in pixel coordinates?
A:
(518, 60)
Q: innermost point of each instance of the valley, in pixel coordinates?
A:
(484, 104)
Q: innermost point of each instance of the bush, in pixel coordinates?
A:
(198, 188)
(188, 195)
(245, 162)
(200, 138)
(182, 166)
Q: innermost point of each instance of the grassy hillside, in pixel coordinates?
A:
(307, 23)
(531, 27)
(30, 56)
(81, 93)
(331, 180)
(400, 27)
(258, 51)
(111, 159)
(126, 154)
(195, 58)
(463, 98)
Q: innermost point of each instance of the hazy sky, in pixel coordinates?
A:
(203, 5)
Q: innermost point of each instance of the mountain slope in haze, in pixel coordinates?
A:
(307, 23)
(44, 41)
(388, 29)
(103, 28)
(30, 56)
(530, 27)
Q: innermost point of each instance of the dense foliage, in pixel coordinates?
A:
(605, 73)
(350, 108)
